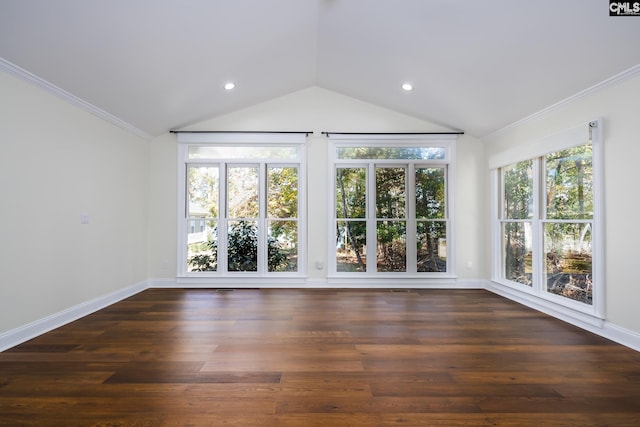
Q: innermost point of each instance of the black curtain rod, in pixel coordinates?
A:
(237, 131)
(393, 133)
(307, 133)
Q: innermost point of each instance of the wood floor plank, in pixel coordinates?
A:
(328, 357)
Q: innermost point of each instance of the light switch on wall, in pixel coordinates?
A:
(84, 218)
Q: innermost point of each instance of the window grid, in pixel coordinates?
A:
(573, 286)
(254, 220)
(403, 227)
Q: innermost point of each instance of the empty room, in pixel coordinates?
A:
(319, 213)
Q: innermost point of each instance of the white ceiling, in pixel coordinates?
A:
(476, 65)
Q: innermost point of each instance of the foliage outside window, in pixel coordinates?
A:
(547, 220)
(390, 209)
(518, 215)
(569, 223)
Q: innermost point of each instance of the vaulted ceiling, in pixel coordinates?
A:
(475, 65)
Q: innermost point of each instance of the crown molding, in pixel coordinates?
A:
(611, 81)
(70, 98)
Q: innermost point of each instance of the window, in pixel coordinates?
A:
(547, 222)
(391, 210)
(243, 204)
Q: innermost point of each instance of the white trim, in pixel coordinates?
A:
(31, 330)
(451, 195)
(162, 283)
(383, 138)
(607, 83)
(599, 212)
(620, 335)
(584, 321)
(403, 283)
(70, 98)
(599, 327)
(234, 138)
(544, 305)
(181, 205)
(241, 282)
(539, 147)
(332, 282)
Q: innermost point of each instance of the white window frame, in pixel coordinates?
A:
(222, 139)
(537, 294)
(445, 141)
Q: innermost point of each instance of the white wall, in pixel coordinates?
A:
(619, 108)
(162, 227)
(57, 161)
(316, 110)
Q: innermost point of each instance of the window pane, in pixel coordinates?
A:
(430, 199)
(392, 246)
(569, 178)
(282, 246)
(516, 237)
(432, 246)
(245, 152)
(242, 187)
(242, 246)
(351, 246)
(282, 192)
(202, 245)
(423, 153)
(203, 190)
(390, 192)
(568, 265)
(351, 196)
(518, 190)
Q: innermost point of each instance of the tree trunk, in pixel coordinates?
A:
(349, 233)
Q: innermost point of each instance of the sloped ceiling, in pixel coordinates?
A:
(476, 65)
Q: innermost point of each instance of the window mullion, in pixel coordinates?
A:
(261, 221)
(224, 216)
(372, 219)
(410, 215)
(537, 261)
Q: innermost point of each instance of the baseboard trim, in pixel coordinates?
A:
(316, 283)
(565, 314)
(621, 335)
(599, 327)
(162, 283)
(589, 323)
(31, 330)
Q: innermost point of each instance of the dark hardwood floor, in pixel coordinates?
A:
(176, 357)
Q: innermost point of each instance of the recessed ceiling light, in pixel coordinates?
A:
(407, 87)
(229, 86)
